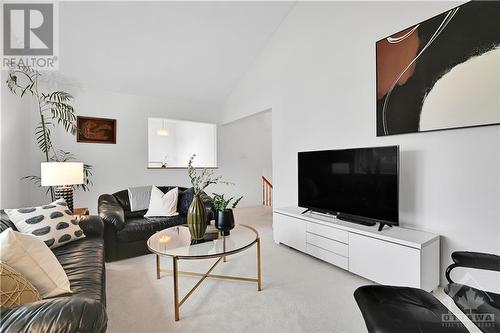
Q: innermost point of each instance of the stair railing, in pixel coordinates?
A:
(267, 192)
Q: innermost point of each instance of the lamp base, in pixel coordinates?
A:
(65, 192)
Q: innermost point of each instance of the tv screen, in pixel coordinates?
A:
(362, 182)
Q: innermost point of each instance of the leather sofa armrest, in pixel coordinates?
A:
(63, 315)
(111, 211)
(209, 206)
(91, 225)
(490, 262)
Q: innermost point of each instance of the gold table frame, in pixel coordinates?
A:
(221, 256)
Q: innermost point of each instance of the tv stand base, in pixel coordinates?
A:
(355, 219)
(362, 250)
(381, 226)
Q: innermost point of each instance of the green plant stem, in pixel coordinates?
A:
(58, 103)
(42, 119)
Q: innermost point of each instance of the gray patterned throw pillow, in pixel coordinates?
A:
(54, 223)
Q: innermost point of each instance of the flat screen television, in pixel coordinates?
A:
(359, 185)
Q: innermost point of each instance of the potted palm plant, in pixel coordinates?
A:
(224, 217)
(54, 109)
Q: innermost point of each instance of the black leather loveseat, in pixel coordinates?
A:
(126, 232)
(82, 311)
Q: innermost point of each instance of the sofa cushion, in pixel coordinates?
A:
(185, 199)
(165, 189)
(5, 222)
(83, 262)
(15, 289)
(123, 198)
(53, 223)
(34, 260)
(139, 213)
(139, 197)
(142, 228)
(163, 204)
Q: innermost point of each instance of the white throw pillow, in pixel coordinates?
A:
(139, 197)
(54, 223)
(30, 256)
(163, 204)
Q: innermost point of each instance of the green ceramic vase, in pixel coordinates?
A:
(197, 218)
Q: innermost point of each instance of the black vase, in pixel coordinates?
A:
(224, 221)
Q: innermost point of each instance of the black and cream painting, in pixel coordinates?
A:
(442, 73)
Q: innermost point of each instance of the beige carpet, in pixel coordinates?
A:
(300, 293)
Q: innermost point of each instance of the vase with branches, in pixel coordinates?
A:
(54, 109)
(200, 179)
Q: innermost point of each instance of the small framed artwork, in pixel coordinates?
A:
(96, 130)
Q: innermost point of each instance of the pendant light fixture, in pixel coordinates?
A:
(164, 130)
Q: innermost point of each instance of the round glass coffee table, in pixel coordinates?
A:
(176, 242)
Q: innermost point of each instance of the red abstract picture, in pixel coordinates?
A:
(96, 130)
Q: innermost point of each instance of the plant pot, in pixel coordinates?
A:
(224, 221)
(197, 218)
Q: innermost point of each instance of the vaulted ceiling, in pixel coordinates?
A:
(174, 50)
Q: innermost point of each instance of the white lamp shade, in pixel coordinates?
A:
(62, 173)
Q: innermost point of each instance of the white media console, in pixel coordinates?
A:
(393, 256)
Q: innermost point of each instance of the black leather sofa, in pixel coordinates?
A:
(126, 232)
(390, 309)
(82, 311)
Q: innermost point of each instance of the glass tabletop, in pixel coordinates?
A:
(177, 242)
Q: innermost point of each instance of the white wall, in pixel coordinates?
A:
(318, 76)
(121, 165)
(244, 147)
(16, 129)
(245, 153)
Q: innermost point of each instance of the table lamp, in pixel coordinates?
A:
(62, 175)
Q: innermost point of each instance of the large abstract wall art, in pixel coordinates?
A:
(442, 73)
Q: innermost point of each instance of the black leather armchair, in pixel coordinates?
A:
(126, 232)
(482, 307)
(388, 309)
(82, 311)
(391, 309)
(490, 262)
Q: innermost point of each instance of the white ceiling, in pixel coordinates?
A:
(193, 51)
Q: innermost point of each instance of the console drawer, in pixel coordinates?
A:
(328, 244)
(328, 232)
(328, 256)
(290, 231)
(384, 262)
